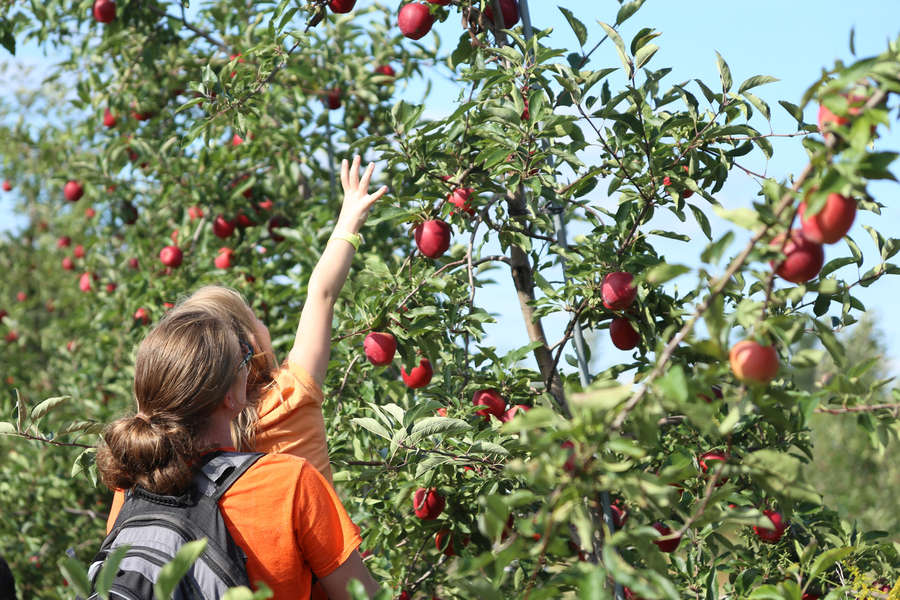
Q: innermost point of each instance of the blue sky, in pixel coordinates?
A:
(791, 40)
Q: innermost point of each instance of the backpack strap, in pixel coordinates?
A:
(221, 470)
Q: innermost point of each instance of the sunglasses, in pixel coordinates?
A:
(247, 349)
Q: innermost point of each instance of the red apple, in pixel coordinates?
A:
(195, 212)
(768, 534)
(236, 140)
(84, 283)
(510, 414)
(111, 287)
(341, 6)
(665, 545)
(617, 290)
(109, 119)
(142, 315)
(89, 213)
(73, 191)
(803, 258)
(508, 8)
(418, 377)
(380, 348)
(460, 199)
(619, 515)
(63, 242)
(414, 20)
(7, 186)
(21, 296)
(333, 98)
(569, 465)
(432, 237)
(443, 541)
(171, 256)
(78, 251)
(707, 458)
(623, 335)
(67, 263)
(827, 119)
(751, 362)
(386, 70)
(428, 504)
(104, 11)
(223, 259)
(274, 223)
(12, 336)
(441, 412)
(222, 228)
(832, 222)
(493, 402)
(133, 263)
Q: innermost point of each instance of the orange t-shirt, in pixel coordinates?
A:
(290, 418)
(289, 522)
(290, 423)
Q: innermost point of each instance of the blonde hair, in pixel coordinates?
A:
(230, 306)
(183, 369)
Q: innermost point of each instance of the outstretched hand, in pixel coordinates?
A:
(357, 199)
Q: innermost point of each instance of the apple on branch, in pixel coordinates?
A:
(73, 191)
(432, 237)
(414, 20)
(418, 377)
(831, 223)
(803, 258)
(171, 256)
(492, 401)
(380, 348)
(751, 362)
(617, 290)
(428, 504)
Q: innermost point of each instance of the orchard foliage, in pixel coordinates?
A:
(214, 130)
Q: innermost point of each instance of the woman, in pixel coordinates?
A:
(283, 413)
(190, 384)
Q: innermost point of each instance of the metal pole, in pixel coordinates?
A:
(583, 372)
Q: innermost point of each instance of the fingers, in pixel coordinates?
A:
(372, 198)
(364, 182)
(345, 174)
(354, 173)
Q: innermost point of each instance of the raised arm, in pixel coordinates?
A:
(312, 346)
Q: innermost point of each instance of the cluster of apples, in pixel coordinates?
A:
(752, 362)
(415, 20)
(380, 348)
(618, 293)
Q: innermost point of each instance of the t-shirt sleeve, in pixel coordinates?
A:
(291, 420)
(325, 533)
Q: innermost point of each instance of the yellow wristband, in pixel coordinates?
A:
(354, 239)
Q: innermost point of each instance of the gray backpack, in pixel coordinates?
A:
(156, 526)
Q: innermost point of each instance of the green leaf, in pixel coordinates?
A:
(172, 572)
(576, 25)
(434, 425)
(483, 447)
(702, 221)
(628, 9)
(643, 55)
(755, 81)
(21, 411)
(46, 406)
(109, 569)
(7, 428)
(792, 110)
(664, 272)
(620, 48)
(76, 574)
(673, 384)
(373, 426)
(825, 560)
(724, 72)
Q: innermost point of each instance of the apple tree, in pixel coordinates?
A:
(184, 144)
